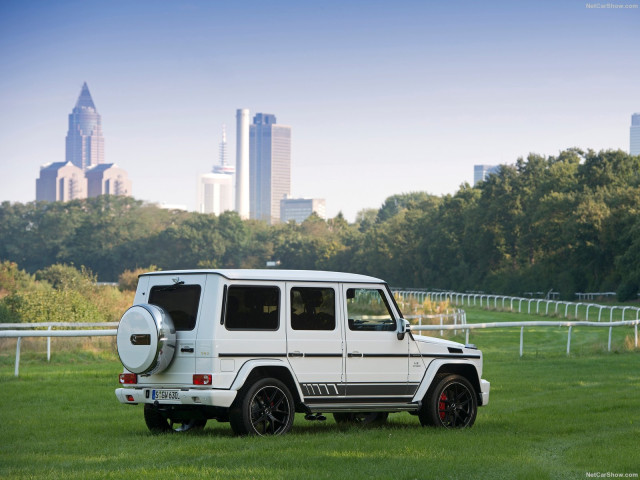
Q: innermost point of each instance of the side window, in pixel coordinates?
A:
(368, 310)
(180, 301)
(252, 308)
(313, 308)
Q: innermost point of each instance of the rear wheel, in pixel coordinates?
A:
(452, 403)
(264, 408)
(158, 423)
(361, 418)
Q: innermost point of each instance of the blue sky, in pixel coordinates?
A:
(382, 97)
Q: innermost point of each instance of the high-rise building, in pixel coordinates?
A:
(85, 143)
(85, 153)
(299, 209)
(269, 167)
(481, 172)
(60, 182)
(215, 190)
(107, 179)
(634, 135)
(242, 163)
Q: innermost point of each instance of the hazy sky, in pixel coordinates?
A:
(383, 97)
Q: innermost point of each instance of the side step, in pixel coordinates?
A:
(362, 407)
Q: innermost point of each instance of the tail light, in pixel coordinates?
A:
(202, 379)
(128, 378)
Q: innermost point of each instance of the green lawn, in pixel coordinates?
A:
(549, 417)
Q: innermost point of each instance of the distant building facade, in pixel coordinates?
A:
(299, 209)
(269, 167)
(90, 176)
(85, 143)
(481, 172)
(215, 190)
(107, 179)
(60, 182)
(215, 193)
(634, 135)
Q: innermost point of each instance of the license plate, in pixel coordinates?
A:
(165, 395)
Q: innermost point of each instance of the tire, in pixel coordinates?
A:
(452, 403)
(263, 408)
(361, 418)
(158, 423)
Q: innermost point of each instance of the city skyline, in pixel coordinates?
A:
(383, 100)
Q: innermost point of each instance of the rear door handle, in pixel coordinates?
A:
(187, 350)
(355, 354)
(296, 354)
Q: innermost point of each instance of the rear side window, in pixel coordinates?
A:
(252, 308)
(180, 301)
(313, 308)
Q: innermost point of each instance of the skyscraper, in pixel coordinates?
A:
(269, 167)
(85, 143)
(215, 190)
(84, 172)
(634, 135)
(242, 163)
(481, 172)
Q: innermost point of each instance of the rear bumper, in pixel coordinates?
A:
(214, 398)
(484, 392)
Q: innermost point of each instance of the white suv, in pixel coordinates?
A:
(253, 347)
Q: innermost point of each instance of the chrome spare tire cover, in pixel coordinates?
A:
(146, 339)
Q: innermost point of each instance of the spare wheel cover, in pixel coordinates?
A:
(146, 339)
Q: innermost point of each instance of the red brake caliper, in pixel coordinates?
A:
(442, 406)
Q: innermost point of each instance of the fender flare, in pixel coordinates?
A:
(250, 365)
(432, 371)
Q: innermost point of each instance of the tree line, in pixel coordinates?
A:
(568, 222)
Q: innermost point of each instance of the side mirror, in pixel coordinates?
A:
(404, 327)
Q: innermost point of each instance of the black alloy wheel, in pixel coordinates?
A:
(265, 408)
(452, 403)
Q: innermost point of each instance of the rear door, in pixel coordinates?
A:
(315, 345)
(181, 297)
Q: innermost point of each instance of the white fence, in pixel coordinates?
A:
(472, 326)
(508, 302)
(538, 306)
(13, 330)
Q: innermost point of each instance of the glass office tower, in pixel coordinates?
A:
(85, 143)
(269, 167)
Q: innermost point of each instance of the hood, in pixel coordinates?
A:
(437, 341)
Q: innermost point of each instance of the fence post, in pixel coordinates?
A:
(466, 342)
(49, 346)
(17, 370)
(609, 345)
(521, 339)
(636, 329)
(569, 341)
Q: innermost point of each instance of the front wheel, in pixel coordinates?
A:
(264, 408)
(158, 423)
(452, 403)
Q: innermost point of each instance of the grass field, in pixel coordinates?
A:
(549, 417)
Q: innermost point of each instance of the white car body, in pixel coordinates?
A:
(234, 327)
